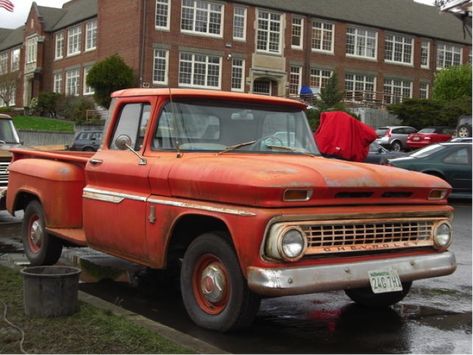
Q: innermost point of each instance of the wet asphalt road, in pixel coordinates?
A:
(434, 318)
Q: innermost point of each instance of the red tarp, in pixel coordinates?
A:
(341, 136)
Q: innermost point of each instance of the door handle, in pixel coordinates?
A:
(95, 162)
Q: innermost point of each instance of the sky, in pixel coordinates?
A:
(18, 17)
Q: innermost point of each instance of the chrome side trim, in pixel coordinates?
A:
(300, 280)
(109, 196)
(196, 206)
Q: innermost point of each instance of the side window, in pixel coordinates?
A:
(132, 122)
(410, 130)
(398, 131)
(458, 157)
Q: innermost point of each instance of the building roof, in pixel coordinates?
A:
(12, 39)
(76, 11)
(405, 16)
(50, 16)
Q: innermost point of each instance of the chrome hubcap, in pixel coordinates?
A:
(212, 283)
(36, 232)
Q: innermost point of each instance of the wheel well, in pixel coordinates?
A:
(23, 199)
(189, 227)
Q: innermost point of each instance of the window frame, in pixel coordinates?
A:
(77, 86)
(242, 79)
(320, 77)
(291, 83)
(301, 34)
(365, 82)
(75, 43)
(91, 32)
(4, 67)
(443, 46)
(391, 38)
(357, 39)
(422, 48)
(322, 36)
(245, 12)
(390, 83)
(208, 11)
(267, 49)
(86, 89)
(15, 64)
(206, 76)
(168, 15)
(166, 66)
(59, 45)
(426, 90)
(57, 84)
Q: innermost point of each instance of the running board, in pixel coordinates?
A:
(73, 235)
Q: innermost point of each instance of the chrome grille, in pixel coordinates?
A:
(4, 173)
(361, 235)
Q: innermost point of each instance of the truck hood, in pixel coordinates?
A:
(261, 180)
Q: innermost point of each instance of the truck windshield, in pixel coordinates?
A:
(233, 126)
(8, 133)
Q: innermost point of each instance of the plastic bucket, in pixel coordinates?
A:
(50, 291)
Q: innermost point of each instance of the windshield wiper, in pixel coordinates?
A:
(236, 146)
(289, 149)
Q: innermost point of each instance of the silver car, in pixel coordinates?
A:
(394, 137)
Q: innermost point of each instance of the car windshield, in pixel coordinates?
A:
(428, 130)
(421, 153)
(381, 131)
(8, 133)
(222, 126)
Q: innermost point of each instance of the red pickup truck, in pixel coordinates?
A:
(231, 190)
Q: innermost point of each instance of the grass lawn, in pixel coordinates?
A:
(35, 123)
(91, 330)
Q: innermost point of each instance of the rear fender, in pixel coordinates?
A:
(57, 185)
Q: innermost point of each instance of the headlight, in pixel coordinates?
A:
(443, 235)
(292, 244)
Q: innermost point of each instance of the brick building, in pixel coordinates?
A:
(382, 50)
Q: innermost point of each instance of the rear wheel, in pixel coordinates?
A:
(213, 288)
(396, 146)
(365, 296)
(40, 247)
(464, 131)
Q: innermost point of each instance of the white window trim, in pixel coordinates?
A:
(85, 71)
(31, 43)
(392, 61)
(56, 57)
(66, 90)
(242, 85)
(168, 22)
(206, 34)
(427, 89)
(450, 45)
(87, 36)
(192, 74)
(166, 76)
(12, 67)
(375, 58)
(71, 54)
(332, 46)
(365, 76)
(55, 88)
(301, 46)
(241, 39)
(391, 86)
(299, 83)
(428, 55)
(320, 77)
(4, 58)
(281, 32)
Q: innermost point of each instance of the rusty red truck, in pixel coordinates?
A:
(231, 190)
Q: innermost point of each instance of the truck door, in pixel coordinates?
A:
(114, 199)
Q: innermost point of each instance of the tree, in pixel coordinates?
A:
(330, 96)
(452, 83)
(107, 76)
(8, 87)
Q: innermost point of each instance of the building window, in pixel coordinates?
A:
(15, 59)
(398, 49)
(72, 82)
(295, 80)
(160, 67)
(73, 40)
(31, 50)
(59, 52)
(268, 37)
(91, 35)
(88, 90)
(4, 63)
(197, 70)
(239, 23)
(425, 54)
(361, 43)
(200, 16)
(424, 90)
(297, 32)
(319, 77)
(448, 55)
(163, 14)
(322, 36)
(395, 90)
(57, 86)
(262, 87)
(238, 74)
(360, 87)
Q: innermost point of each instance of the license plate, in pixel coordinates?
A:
(383, 281)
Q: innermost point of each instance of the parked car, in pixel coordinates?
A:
(394, 137)
(449, 161)
(427, 136)
(461, 140)
(88, 141)
(464, 126)
(380, 155)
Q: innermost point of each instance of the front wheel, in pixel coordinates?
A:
(396, 146)
(40, 247)
(214, 291)
(365, 296)
(464, 131)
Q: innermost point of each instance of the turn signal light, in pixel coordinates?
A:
(297, 195)
(438, 194)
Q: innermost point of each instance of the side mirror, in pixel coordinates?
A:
(123, 142)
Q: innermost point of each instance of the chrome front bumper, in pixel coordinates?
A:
(295, 281)
(3, 197)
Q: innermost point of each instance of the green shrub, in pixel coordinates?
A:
(75, 108)
(46, 104)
